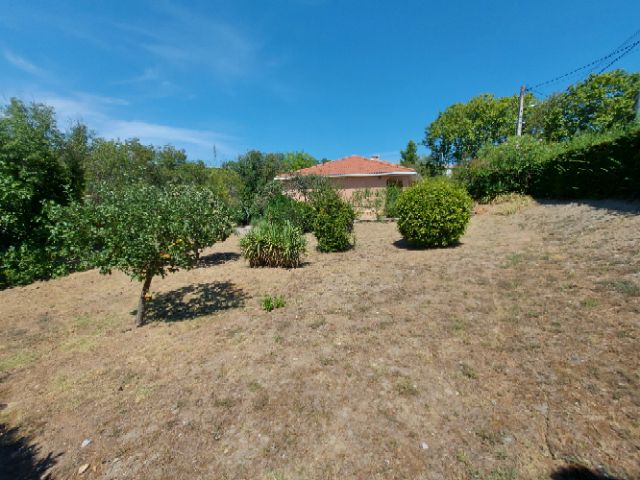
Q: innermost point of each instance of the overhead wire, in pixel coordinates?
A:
(618, 53)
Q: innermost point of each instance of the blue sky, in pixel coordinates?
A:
(331, 78)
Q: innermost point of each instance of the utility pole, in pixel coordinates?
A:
(523, 89)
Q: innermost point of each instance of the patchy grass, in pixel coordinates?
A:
(16, 361)
(623, 286)
(270, 302)
(506, 356)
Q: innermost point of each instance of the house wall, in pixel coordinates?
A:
(348, 186)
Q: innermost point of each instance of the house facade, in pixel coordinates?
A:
(361, 181)
(355, 174)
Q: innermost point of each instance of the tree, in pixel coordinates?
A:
(425, 165)
(31, 171)
(145, 231)
(463, 128)
(409, 157)
(39, 165)
(597, 104)
(256, 169)
(296, 160)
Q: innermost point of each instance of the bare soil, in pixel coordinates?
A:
(508, 356)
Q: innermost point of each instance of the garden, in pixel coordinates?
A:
(164, 318)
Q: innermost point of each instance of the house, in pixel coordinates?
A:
(357, 174)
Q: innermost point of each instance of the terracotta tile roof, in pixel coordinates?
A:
(353, 165)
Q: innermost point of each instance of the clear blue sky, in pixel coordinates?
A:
(330, 77)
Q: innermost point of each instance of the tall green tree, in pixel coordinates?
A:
(296, 160)
(597, 104)
(463, 128)
(39, 165)
(257, 170)
(409, 156)
(425, 165)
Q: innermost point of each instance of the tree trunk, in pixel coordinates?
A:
(140, 320)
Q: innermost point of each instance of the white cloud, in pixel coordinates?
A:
(159, 134)
(101, 115)
(22, 63)
(189, 39)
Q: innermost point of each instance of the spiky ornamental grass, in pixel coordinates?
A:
(274, 245)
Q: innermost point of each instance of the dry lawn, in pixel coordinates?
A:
(506, 357)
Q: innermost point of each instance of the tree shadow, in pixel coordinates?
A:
(194, 301)
(404, 245)
(612, 205)
(218, 258)
(19, 458)
(580, 472)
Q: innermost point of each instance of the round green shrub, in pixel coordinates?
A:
(333, 222)
(433, 213)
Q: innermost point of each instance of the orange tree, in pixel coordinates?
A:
(143, 231)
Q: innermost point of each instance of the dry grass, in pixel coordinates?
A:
(503, 358)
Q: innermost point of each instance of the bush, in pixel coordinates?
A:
(433, 213)
(391, 197)
(589, 165)
(273, 245)
(333, 224)
(510, 167)
(282, 208)
(593, 166)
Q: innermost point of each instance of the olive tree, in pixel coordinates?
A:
(145, 231)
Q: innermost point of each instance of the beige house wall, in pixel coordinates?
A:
(348, 186)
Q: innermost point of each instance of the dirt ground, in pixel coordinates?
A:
(506, 357)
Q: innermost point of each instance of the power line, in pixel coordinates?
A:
(622, 50)
(626, 52)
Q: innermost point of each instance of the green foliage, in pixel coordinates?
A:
(270, 303)
(368, 199)
(592, 166)
(305, 185)
(144, 231)
(296, 160)
(463, 128)
(597, 104)
(409, 156)
(38, 165)
(511, 166)
(391, 198)
(257, 170)
(273, 245)
(282, 208)
(433, 213)
(333, 224)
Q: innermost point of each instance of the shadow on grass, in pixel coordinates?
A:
(219, 258)
(194, 301)
(579, 472)
(614, 206)
(404, 245)
(19, 458)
